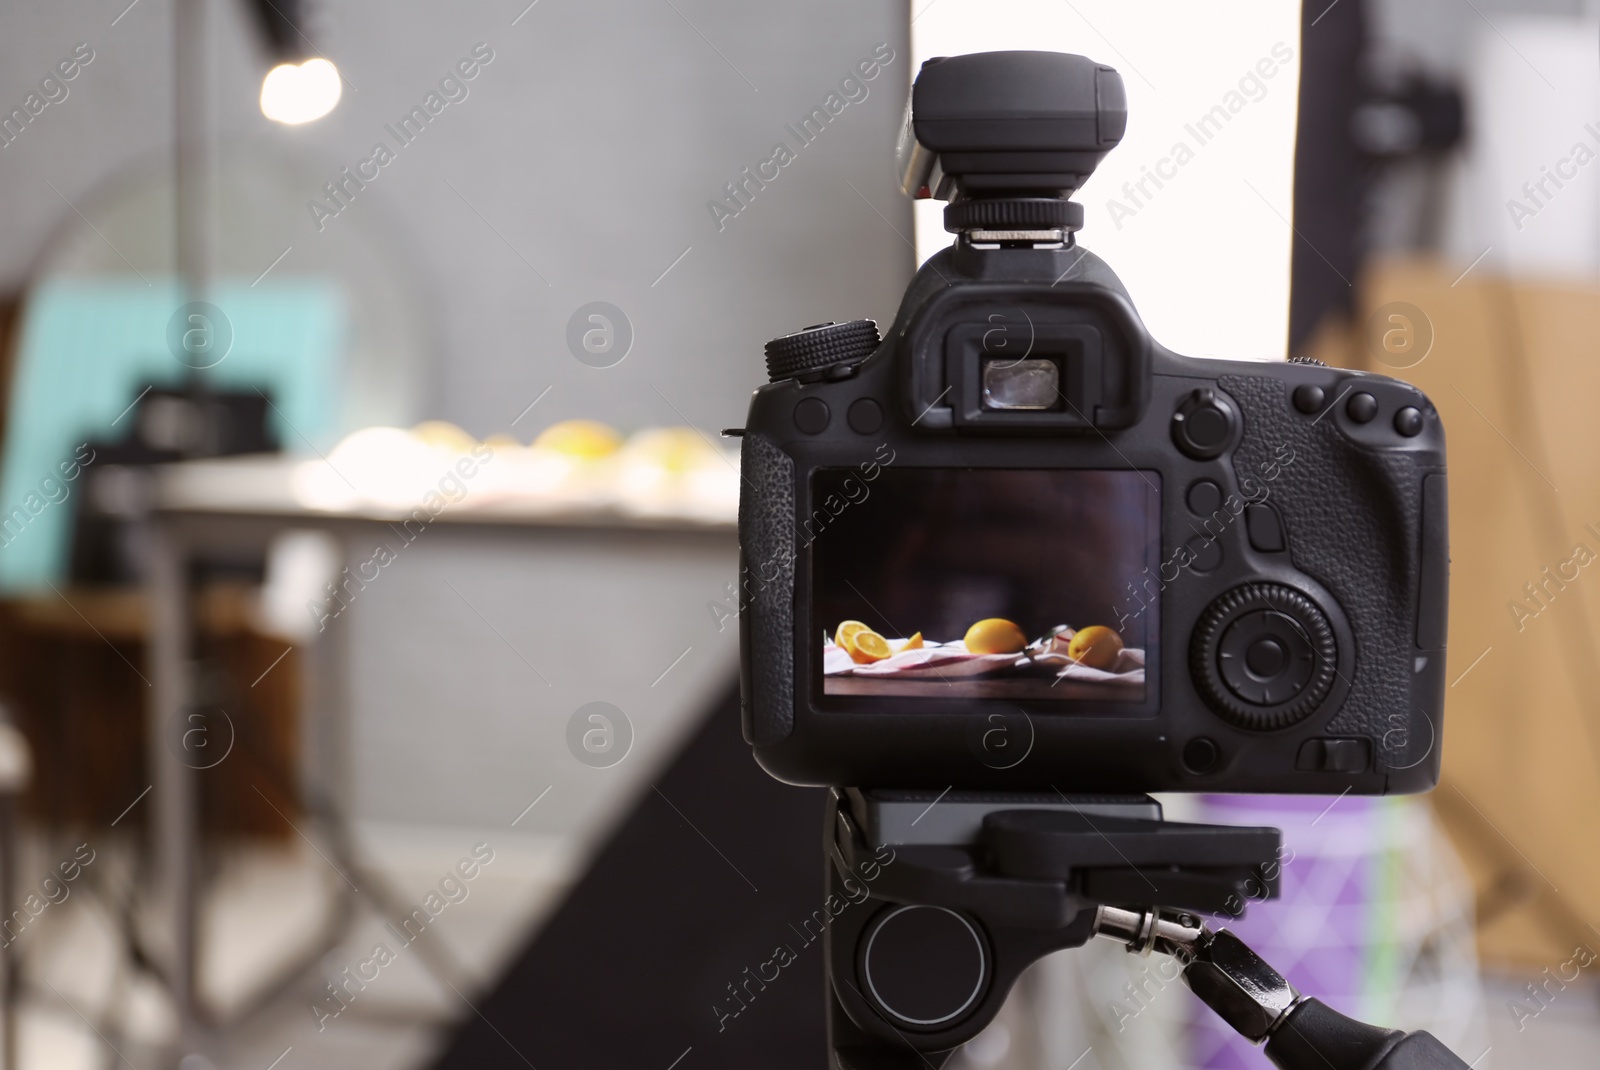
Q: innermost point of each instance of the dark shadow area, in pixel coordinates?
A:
(710, 873)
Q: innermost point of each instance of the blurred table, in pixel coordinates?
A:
(243, 504)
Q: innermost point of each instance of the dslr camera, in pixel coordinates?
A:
(1018, 544)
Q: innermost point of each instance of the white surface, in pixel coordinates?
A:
(1206, 256)
(274, 485)
(1533, 110)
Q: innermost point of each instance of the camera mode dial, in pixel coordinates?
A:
(1204, 424)
(809, 353)
(1264, 656)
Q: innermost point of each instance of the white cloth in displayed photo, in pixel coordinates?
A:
(954, 661)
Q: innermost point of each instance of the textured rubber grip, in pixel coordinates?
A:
(1336, 495)
(766, 589)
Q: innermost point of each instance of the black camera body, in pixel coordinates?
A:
(1019, 545)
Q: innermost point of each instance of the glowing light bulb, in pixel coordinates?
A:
(298, 94)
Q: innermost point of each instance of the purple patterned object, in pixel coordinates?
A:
(1320, 933)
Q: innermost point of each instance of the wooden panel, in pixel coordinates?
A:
(1513, 373)
(73, 675)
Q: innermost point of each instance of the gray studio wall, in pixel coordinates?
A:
(581, 164)
(585, 153)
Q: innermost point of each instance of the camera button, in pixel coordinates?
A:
(1362, 407)
(1205, 553)
(1266, 658)
(1308, 399)
(811, 416)
(1205, 498)
(1208, 427)
(1265, 529)
(1334, 756)
(865, 416)
(1408, 421)
(1200, 755)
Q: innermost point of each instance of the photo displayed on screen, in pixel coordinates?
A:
(985, 583)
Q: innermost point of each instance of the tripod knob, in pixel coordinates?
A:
(809, 353)
(924, 967)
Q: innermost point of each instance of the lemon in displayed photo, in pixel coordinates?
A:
(847, 631)
(1095, 646)
(914, 643)
(868, 646)
(996, 635)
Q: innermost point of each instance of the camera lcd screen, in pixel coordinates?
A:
(986, 583)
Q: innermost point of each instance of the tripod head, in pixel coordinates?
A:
(978, 886)
(983, 884)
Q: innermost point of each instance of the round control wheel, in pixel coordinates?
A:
(819, 347)
(924, 967)
(1264, 656)
(1204, 424)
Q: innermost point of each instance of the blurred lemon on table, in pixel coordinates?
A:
(848, 630)
(675, 449)
(1095, 646)
(868, 646)
(996, 635)
(444, 435)
(914, 643)
(502, 441)
(584, 440)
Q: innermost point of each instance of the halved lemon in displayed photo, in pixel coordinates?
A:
(868, 646)
(996, 635)
(914, 643)
(848, 631)
(1095, 646)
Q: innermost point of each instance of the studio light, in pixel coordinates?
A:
(294, 94)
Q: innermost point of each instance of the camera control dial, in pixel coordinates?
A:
(809, 353)
(1264, 656)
